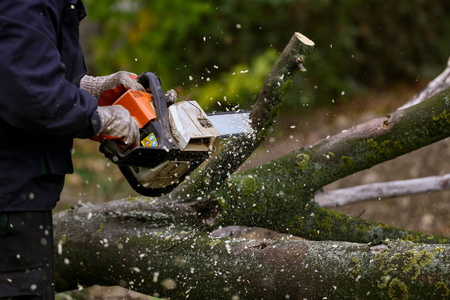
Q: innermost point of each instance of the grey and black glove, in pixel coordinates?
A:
(97, 85)
(117, 123)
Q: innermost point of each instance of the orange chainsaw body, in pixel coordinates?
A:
(139, 104)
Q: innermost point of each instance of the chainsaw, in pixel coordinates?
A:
(175, 137)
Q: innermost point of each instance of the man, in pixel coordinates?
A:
(42, 109)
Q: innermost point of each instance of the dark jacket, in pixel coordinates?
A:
(41, 107)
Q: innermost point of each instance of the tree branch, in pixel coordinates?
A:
(346, 196)
(280, 194)
(440, 83)
(399, 188)
(265, 110)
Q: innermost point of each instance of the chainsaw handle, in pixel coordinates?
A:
(152, 82)
(161, 101)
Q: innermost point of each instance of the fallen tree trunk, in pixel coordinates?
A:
(237, 262)
(136, 242)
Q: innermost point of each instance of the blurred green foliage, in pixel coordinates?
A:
(219, 52)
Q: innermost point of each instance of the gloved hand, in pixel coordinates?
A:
(97, 85)
(116, 122)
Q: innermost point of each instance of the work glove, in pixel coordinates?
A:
(117, 123)
(97, 85)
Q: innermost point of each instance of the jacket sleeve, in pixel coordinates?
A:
(35, 95)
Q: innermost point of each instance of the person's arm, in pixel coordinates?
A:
(34, 93)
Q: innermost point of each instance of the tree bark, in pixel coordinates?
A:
(163, 244)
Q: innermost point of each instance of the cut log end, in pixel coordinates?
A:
(304, 39)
